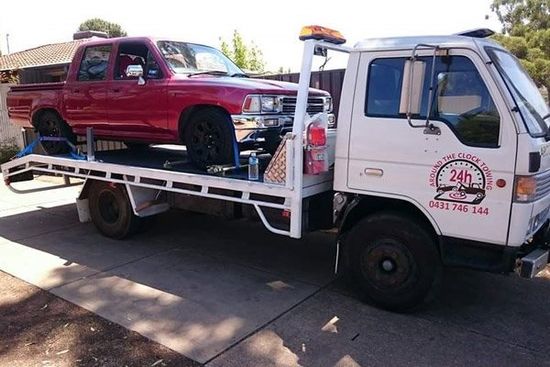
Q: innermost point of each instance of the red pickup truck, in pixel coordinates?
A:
(142, 90)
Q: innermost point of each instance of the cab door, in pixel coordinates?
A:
(138, 110)
(461, 177)
(85, 95)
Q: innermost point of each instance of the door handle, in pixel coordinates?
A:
(377, 172)
(116, 90)
(76, 90)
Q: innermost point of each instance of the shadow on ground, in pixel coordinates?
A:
(230, 293)
(38, 328)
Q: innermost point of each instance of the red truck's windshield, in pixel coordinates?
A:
(189, 58)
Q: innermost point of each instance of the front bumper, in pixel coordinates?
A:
(527, 260)
(533, 255)
(263, 131)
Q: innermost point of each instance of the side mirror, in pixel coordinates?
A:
(135, 71)
(413, 85)
(414, 75)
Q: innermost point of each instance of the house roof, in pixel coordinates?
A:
(52, 54)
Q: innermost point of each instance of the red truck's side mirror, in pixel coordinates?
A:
(135, 71)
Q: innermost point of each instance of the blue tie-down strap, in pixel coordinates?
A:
(29, 149)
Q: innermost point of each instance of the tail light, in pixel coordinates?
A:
(316, 135)
(316, 155)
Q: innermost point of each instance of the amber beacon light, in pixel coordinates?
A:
(319, 33)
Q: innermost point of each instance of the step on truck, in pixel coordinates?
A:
(440, 157)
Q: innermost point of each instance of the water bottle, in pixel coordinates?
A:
(253, 168)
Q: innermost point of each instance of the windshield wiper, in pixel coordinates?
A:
(240, 75)
(545, 117)
(209, 72)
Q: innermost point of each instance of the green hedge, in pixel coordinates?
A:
(7, 150)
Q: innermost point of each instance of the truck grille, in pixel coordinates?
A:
(314, 104)
(543, 185)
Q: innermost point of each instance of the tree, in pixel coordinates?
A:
(526, 33)
(97, 24)
(247, 57)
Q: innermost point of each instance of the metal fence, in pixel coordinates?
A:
(8, 131)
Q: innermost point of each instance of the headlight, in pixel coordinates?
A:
(252, 104)
(261, 104)
(526, 188)
(327, 105)
(270, 104)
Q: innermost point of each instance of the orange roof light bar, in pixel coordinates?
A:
(319, 33)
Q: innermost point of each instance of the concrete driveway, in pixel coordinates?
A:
(228, 293)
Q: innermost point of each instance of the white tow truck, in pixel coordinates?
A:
(441, 157)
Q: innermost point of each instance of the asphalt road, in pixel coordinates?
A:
(228, 293)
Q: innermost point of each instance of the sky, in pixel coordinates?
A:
(273, 26)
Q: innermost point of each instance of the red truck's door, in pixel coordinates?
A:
(138, 111)
(85, 94)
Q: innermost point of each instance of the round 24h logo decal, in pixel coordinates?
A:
(461, 178)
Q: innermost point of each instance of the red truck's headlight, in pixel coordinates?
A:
(262, 104)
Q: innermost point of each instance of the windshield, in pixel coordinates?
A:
(189, 58)
(531, 104)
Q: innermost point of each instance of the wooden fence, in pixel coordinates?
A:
(8, 131)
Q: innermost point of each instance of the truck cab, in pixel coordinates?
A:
(452, 131)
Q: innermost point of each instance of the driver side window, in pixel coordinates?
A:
(462, 100)
(136, 53)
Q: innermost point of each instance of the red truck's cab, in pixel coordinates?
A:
(143, 90)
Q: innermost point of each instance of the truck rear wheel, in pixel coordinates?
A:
(49, 124)
(111, 210)
(395, 261)
(209, 138)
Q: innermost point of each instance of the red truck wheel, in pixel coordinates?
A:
(111, 210)
(209, 138)
(395, 261)
(50, 124)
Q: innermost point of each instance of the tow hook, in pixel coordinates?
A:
(532, 263)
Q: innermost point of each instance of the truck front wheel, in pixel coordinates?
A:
(209, 138)
(111, 210)
(395, 261)
(49, 124)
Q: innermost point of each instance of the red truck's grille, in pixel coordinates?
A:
(314, 104)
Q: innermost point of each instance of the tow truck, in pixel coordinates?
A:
(417, 114)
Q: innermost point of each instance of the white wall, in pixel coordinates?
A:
(8, 131)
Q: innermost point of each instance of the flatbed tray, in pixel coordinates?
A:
(174, 158)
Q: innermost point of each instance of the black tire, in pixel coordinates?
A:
(394, 260)
(209, 137)
(50, 124)
(111, 210)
